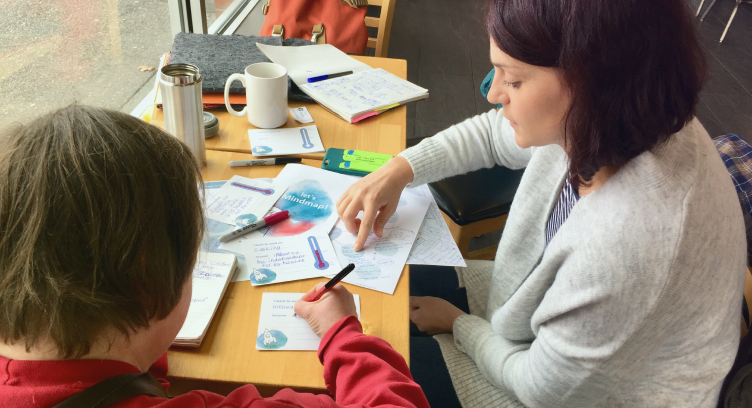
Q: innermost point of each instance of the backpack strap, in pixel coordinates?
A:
(115, 389)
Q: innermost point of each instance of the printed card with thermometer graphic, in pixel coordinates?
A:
(286, 259)
(276, 142)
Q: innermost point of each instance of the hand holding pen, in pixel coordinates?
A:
(323, 313)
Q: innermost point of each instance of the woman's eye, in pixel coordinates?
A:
(514, 85)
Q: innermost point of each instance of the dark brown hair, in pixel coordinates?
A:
(634, 70)
(101, 220)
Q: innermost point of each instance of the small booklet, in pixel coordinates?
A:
(276, 142)
(211, 276)
(280, 329)
(365, 93)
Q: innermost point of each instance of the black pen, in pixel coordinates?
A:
(329, 285)
(265, 162)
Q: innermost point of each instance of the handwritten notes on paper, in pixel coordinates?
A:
(379, 264)
(242, 201)
(434, 244)
(266, 142)
(279, 327)
(276, 260)
(363, 91)
(211, 275)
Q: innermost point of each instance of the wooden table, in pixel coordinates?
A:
(385, 133)
(228, 353)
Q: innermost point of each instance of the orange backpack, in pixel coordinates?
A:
(336, 22)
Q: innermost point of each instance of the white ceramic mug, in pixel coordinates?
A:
(265, 93)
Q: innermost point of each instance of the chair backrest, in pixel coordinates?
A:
(736, 154)
(748, 299)
(384, 25)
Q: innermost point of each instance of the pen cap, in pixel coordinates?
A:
(277, 217)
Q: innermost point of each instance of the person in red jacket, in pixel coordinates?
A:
(101, 222)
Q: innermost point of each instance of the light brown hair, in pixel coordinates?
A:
(100, 221)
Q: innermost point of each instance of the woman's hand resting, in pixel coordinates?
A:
(433, 315)
(377, 195)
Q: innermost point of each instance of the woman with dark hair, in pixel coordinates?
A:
(619, 274)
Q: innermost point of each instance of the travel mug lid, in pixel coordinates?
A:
(179, 74)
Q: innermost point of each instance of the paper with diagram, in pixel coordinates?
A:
(283, 259)
(434, 244)
(241, 201)
(379, 264)
(275, 142)
(280, 329)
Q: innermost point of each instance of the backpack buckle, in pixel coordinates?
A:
(278, 30)
(318, 30)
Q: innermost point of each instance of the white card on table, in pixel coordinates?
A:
(275, 142)
(301, 114)
(283, 259)
(241, 201)
(379, 264)
(279, 327)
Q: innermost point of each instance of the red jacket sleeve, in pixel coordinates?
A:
(359, 370)
(366, 370)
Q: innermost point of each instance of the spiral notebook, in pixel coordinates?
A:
(365, 93)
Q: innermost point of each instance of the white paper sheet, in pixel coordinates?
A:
(241, 201)
(276, 142)
(312, 60)
(379, 264)
(434, 244)
(284, 259)
(210, 277)
(280, 329)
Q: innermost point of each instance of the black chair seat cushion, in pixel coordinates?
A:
(478, 195)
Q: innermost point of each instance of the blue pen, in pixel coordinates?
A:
(330, 76)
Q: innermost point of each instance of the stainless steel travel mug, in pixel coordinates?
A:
(183, 110)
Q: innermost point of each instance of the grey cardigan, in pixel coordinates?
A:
(636, 300)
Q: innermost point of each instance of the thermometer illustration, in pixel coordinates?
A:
(306, 140)
(252, 188)
(320, 263)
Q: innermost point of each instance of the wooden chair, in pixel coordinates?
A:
(476, 203)
(384, 25)
(748, 297)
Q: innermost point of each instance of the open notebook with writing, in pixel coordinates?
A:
(365, 93)
(211, 276)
